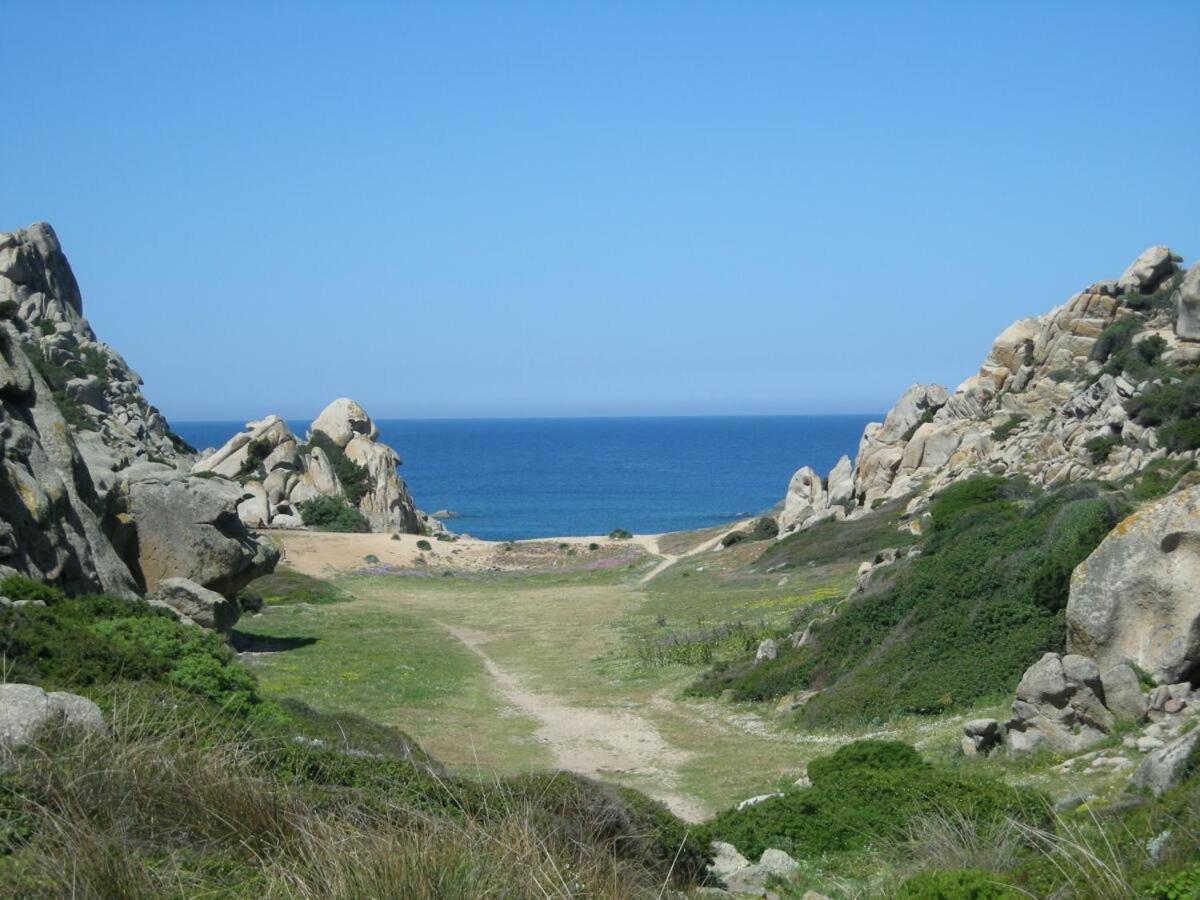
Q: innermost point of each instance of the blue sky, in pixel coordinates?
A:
(590, 209)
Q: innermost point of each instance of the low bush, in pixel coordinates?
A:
(1100, 448)
(355, 479)
(957, 884)
(1173, 407)
(333, 514)
(74, 642)
(764, 528)
(620, 534)
(423, 544)
(1003, 431)
(864, 794)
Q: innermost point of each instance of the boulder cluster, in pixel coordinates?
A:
(95, 490)
(1038, 405)
(278, 473)
(1133, 650)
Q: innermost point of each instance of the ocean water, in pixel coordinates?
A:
(525, 478)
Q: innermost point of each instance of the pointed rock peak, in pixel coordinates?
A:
(342, 419)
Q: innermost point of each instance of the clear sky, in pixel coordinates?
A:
(570, 208)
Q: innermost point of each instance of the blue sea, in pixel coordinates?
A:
(525, 478)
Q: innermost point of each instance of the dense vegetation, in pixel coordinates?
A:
(962, 621)
(867, 792)
(355, 479)
(202, 786)
(333, 514)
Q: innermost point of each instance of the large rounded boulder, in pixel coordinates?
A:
(1136, 599)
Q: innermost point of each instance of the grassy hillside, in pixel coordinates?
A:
(961, 622)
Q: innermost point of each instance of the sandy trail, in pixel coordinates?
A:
(650, 543)
(593, 741)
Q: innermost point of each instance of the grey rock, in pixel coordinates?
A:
(1123, 693)
(726, 860)
(26, 708)
(342, 419)
(1147, 271)
(206, 608)
(1187, 320)
(1163, 768)
(188, 527)
(767, 651)
(1135, 599)
(980, 736)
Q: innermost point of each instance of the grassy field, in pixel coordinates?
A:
(511, 671)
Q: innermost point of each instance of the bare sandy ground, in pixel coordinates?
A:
(323, 554)
(592, 741)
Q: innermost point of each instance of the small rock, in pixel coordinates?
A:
(1146, 744)
(1163, 768)
(726, 860)
(767, 651)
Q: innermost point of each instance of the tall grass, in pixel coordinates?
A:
(145, 812)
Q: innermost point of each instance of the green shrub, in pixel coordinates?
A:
(180, 445)
(961, 622)
(8, 309)
(423, 544)
(1100, 448)
(864, 794)
(1003, 431)
(355, 479)
(620, 534)
(763, 528)
(79, 641)
(1162, 298)
(45, 326)
(256, 451)
(1151, 348)
(957, 884)
(1116, 337)
(332, 514)
(18, 587)
(1174, 408)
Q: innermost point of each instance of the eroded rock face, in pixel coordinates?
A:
(806, 495)
(1148, 271)
(1136, 599)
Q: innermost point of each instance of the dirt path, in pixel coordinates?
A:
(593, 741)
(650, 542)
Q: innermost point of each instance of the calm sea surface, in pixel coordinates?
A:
(524, 478)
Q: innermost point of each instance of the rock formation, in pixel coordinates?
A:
(1046, 393)
(26, 708)
(94, 494)
(279, 473)
(1136, 599)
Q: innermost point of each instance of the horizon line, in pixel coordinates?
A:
(540, 418)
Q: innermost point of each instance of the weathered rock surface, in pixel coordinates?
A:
(206, 608)
(1187, 321)
(279, 472)
(26, 708)
(188, 527)
(1136, 599)
(1037, 400)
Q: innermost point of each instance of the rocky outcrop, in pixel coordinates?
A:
(279, 473)
(189, 528)
(1046, 393)
(78, 506)
(25, 709)
(1164, 767)
(1136, 599)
